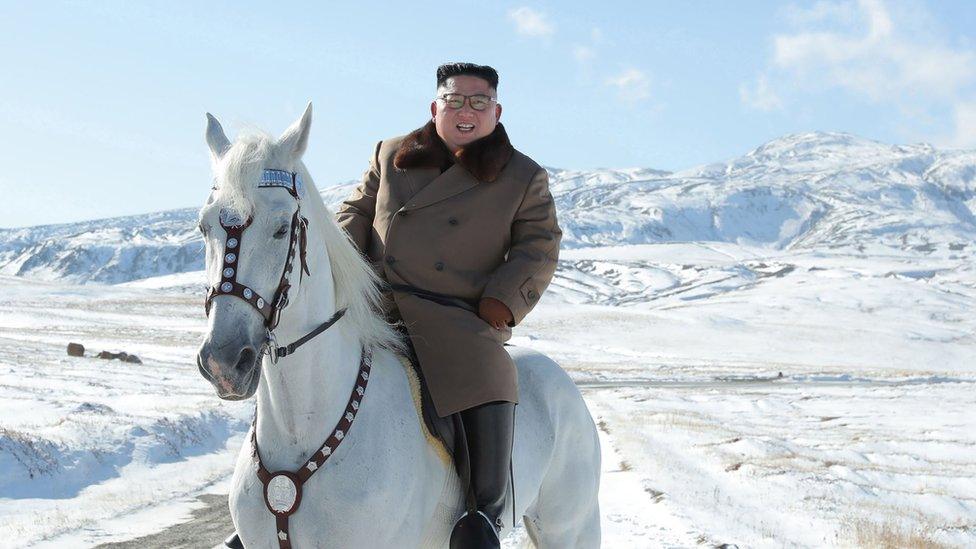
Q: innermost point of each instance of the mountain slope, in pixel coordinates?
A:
(813, 191)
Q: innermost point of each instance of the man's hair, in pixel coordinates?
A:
(447, 70)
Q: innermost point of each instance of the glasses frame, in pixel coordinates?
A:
(467, 99)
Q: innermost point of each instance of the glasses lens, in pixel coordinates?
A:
(480, 102)
(453, 100)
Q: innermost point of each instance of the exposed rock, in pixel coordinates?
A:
(123, 356)
(76, 349)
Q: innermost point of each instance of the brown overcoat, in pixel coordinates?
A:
(484, 227)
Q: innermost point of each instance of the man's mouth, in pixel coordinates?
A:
(465, 127)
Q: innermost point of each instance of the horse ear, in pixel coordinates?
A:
(295, 138)
(215, 137)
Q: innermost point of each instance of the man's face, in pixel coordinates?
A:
(458, 127)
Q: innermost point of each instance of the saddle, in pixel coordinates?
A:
(448, 432)
(445, 430)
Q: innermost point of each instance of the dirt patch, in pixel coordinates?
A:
(208, 528)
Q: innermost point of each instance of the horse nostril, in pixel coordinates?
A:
(247, 357)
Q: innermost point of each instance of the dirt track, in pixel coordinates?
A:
(208, 528)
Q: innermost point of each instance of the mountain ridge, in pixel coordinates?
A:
(808, 191)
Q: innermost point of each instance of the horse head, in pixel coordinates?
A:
(256, 234)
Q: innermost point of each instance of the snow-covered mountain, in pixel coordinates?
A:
(812, 191)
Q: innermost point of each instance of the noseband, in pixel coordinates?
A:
(269, 310)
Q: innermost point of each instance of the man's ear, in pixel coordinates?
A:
(498, 112)
(433, 109)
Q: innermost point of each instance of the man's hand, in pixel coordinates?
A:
(494, 312)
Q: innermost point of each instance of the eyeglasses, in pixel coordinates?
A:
(478, 102)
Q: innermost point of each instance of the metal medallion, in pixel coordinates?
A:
(281, 494)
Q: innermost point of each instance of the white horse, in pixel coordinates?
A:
(389, 484)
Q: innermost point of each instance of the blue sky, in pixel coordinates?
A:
(102, 104)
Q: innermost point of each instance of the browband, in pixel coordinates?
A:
(287, 180)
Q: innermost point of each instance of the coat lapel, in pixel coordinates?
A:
(435, 186)
(422, 155)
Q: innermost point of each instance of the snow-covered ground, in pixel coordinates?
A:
(745, 395)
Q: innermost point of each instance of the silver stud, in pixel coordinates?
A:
(231, 243)
(228, 272)
(226, 287)
(326, 451)
(248, 293)
(230, 258)
(339, 434)
(349, 417)
(355, 405)
(260, 303)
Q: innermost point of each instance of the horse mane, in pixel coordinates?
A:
(357, 285)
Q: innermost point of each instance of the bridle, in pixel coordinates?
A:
(298, 239)
(283, 489)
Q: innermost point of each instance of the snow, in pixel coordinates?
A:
(778, 351)
(760, 406)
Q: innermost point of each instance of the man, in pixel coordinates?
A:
(463, 228)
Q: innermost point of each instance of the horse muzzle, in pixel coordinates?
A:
(234, 370)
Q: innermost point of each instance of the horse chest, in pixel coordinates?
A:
(375, 478)
(334, 513)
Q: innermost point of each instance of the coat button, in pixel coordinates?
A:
(453, 221)
(439, 265)
(532, 294)
(390, 260)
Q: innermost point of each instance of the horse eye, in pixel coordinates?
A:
(281, 232)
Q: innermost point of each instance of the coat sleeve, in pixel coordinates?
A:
(356, 213)
(533, 253)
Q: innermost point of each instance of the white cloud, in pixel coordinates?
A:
(835, 12)
(964, 117)
(761, 96)
(632, 85)
(875, 60)
(864, 48)
(584, 54)
(529, 22)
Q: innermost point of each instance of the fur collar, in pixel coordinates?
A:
(484, 157)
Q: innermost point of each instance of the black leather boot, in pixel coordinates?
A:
(488, 431)
(234, 542)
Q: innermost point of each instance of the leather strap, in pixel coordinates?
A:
(442, 299)
(291, 347)
(228, 285)
(316, 461)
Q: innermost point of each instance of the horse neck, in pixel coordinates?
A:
(303, 396)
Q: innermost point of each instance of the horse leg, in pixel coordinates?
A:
(566, 512)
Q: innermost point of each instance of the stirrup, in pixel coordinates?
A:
(471, 532)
